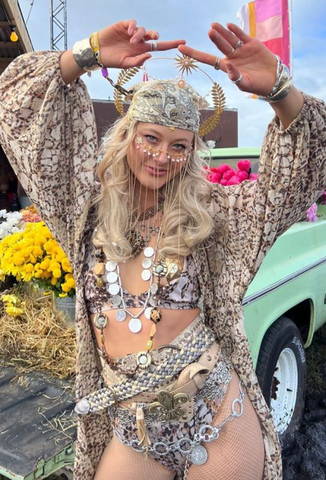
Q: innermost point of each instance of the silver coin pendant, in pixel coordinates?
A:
(112, 277)
(114, 289)
(199, 455)
(149, 252)
(110, 266)
(121, 315)
(135, 325)
(145, 275)
(148, 312)
(147, 263)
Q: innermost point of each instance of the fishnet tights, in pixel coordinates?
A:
(237, 455)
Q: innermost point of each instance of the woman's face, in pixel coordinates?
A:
(157, 154)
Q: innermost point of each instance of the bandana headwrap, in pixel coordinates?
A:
(166, 103)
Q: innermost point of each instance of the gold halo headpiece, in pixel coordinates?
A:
(171, 103)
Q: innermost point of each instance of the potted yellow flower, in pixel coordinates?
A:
(33, 255)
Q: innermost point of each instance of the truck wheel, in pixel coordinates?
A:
(281, 372)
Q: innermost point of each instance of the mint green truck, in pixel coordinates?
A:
(284, 305)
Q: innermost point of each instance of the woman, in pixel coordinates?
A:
(162, 259)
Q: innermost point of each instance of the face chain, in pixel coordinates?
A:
(152, 152)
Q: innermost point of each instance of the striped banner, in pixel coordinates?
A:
(268, 20)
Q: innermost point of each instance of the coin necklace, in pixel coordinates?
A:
(154, 314)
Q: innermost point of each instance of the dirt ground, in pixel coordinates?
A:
(306, 460)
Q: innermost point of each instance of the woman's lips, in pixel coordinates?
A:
(156, 172)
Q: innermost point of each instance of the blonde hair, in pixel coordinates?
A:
(186, 219)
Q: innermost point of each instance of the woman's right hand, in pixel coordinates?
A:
(122, 45)
(125, 45)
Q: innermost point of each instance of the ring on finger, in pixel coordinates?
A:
(217, 63)
(153, 46)
(238, 44)
(232, 53)
(238, 79)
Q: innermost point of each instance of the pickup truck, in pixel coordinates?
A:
(284, 306)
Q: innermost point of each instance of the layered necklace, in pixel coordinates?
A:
(108, 275)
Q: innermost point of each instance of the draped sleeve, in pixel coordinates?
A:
(47, 130)
(291, 176)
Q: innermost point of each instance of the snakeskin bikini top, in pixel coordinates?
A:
(181, 293)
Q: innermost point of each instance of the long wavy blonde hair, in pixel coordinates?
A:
(186, 219)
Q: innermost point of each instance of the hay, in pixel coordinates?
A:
(39, 339)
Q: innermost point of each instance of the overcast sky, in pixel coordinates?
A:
(190, 19)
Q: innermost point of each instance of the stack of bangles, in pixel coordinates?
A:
(86, 54)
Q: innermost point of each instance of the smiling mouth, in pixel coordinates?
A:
(155, 171)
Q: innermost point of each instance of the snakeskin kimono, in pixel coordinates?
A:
(47, 130)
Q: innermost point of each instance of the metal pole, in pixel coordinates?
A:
(58, 22)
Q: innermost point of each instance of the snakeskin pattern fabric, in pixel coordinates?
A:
(48, 133)
(181, 293)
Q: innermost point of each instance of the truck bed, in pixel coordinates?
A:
(37, 430)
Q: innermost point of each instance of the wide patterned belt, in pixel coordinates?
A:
(146, 380)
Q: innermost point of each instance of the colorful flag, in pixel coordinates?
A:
(268, 21)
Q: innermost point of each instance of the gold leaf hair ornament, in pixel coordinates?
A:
(171, 103)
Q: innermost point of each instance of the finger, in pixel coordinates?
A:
(151, 35)
(138, 35)
(230, 37)
(168, 45)
(239, 32)
(225, 47)
(130, 26)
(202, 57)
(234, 74)
(136, 61)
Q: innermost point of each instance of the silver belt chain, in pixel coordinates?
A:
(196, 454)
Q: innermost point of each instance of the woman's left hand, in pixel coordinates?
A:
(245, 58)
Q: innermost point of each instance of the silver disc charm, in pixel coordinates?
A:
(112, 277)
(154, 288)
(147, 263)
(114, 289)
(100, 320)
(199, 455)
(110, 266)
(116, 300)
(135, 325)
(149, 252)
(148, 312)
(121, 315)
(144, 360)
(145, 275)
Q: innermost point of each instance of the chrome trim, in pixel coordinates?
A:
(274, 286)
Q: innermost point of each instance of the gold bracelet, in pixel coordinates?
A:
(95, 44)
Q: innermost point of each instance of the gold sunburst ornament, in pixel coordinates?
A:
(185, 64)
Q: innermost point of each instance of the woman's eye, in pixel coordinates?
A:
(151, 138)
(179, 146)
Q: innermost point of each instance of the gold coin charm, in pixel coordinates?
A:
(99, 282)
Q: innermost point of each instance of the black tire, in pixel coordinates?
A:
(283, 343)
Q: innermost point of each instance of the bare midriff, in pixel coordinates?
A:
(119, 341)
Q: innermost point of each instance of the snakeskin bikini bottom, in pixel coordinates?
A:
(170, 422)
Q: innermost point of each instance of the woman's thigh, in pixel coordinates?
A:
(239, 452)
(120, 462)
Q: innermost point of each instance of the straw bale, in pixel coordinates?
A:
(39, 339)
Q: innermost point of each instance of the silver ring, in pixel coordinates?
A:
(153, 46)
(217, 63)
(238, 44)
(238, 79)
